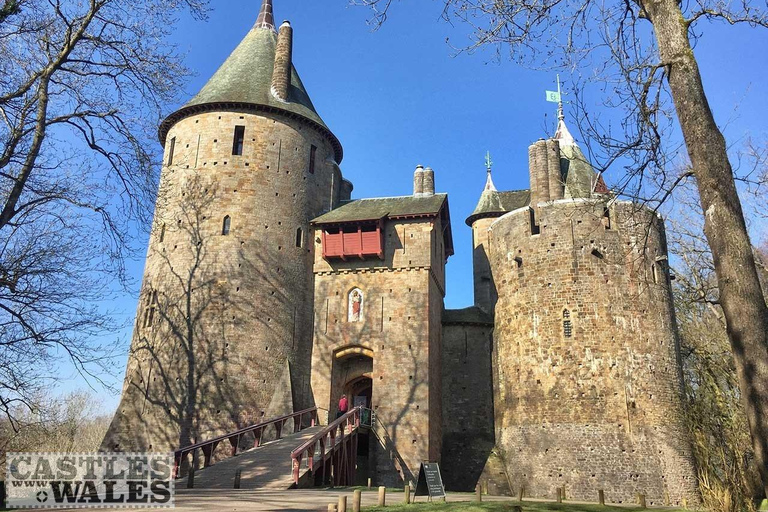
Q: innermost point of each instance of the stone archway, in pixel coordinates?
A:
(352, 370)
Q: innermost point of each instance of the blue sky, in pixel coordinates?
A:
(400, 96)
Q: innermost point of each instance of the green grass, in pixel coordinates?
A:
(497, 507)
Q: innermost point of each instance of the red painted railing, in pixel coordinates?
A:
(208, 447)
(338, 444)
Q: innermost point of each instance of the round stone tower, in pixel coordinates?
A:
(224, 329)
(587, 370)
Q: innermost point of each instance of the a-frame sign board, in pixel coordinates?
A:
(430, 483)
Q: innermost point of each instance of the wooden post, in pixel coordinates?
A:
(601, 496)
(238, 474)
(191, 475)
(642, 501)
(382, 496)
(357, 500)
(369, 484)
(342, 504)
(559, 494)
(479, 492)
(407, 494)
(520, 494)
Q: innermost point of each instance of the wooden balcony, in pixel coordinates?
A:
(362, 242)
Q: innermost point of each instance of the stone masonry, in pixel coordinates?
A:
(267, 289)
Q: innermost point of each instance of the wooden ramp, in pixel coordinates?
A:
(266, 467)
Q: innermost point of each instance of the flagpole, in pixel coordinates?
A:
(560, 113)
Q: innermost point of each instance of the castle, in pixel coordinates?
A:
(268, 289)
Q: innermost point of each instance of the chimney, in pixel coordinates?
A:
(266, 17)
(418, 181)
(429, 182)
(537, 163)
(281, 77)
(556, 185)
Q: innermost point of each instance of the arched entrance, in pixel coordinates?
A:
(360, 391)
(352, 370)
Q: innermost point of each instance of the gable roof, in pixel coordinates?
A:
(381, 207)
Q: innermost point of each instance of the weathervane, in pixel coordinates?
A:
(488, 162)
(557, 97)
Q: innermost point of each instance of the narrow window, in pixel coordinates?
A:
(567, 325)
(299, 237)
(655, 273)
(607, 218)
(226, 225)
(237, 145)
(171, 150)
(149, 313)
(535, 229)
(312, 155)
(162, 233)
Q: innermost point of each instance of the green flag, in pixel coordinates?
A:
(553, 96)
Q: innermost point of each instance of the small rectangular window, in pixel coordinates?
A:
(171, 150)
(237, 144)
(299, 237)
(312, 156)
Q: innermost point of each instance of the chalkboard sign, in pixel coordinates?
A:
(430, 483)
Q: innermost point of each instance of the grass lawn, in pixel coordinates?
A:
(502, 506)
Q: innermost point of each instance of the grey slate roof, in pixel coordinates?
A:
(495, 204)
(245, 79)
(579, 175)
(378, 208)
(470, 315)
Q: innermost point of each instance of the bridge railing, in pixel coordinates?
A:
(256, 432)
(337, 442)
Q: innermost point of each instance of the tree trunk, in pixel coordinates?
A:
(741, 297)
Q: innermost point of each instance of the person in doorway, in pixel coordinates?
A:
(343, 406)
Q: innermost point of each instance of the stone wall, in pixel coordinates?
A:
(232, 313)
(468, 436)
(586, 355)
(398, 330)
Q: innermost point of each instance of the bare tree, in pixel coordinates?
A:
(71, 423)
(641, 50)
(715, 412)
(82, 86)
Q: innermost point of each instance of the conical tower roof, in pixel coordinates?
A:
(244, 81)
(581, 180)
(493, 203)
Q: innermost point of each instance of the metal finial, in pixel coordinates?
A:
(488, 162)
(560, 112)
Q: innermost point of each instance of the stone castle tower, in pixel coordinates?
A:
(223, 334)
(586, 370)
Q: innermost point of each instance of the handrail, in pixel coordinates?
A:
(331, 426)
(345, 428)
(234, 438)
